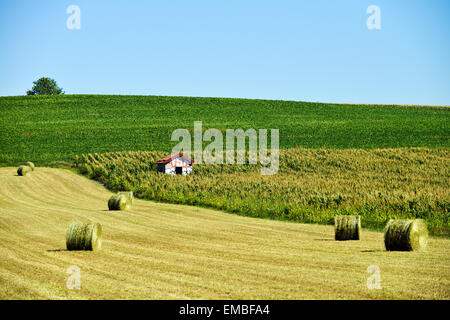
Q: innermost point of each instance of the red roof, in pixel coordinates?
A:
(173, 156)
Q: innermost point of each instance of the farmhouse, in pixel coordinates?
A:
(175, 163)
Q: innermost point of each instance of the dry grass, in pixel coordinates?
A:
(163, 251)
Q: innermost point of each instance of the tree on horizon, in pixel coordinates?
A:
(45, 86)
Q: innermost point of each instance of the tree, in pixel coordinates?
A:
(44, 86)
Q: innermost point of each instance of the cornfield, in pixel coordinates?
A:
(312, 185)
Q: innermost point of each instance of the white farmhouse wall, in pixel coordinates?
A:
(178, 162)
(187, 170)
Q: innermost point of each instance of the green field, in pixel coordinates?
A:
(335, 159)
(50, 129)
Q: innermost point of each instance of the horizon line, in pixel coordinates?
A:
(237, 98)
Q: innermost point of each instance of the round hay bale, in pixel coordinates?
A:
(347, 227)
(112, 202)
(123, 203)
(84, 236)
(405, 235)
(30, 164)
(24, 170)
(128, 194)
(119, 202)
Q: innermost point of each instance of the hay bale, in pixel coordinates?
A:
(405, 235)
(30, 164)
(119, 202)
(112, 202)
(128, 194)
(123, 202)
(84, 236)
(24, 170)
(347, 227)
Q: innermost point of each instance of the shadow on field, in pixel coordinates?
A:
(372, 251)
(57, 250)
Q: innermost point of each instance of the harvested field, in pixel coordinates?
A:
(165, 251)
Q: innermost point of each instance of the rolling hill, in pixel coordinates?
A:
(51, 129)
(165, 251)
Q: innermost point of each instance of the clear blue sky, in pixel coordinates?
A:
(291, 50)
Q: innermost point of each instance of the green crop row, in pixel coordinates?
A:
(312, 185)
(51, 129)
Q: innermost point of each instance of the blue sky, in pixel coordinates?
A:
(290, 50)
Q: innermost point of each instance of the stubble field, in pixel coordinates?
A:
(165, 251)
